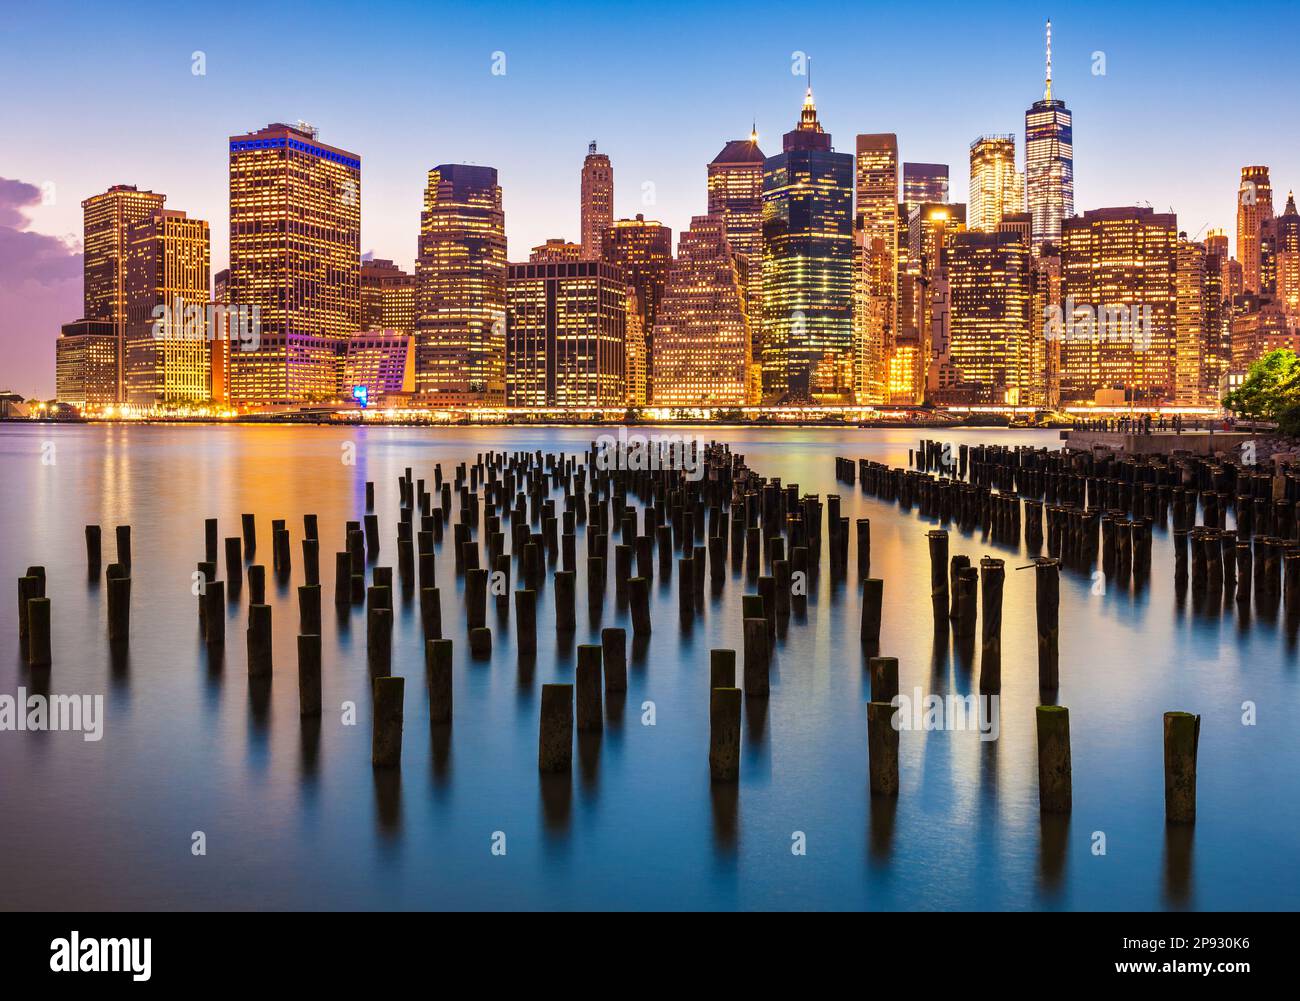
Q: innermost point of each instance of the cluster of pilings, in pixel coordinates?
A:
(1086, 504)
(703, 509)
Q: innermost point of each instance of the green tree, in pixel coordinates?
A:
(1270, 387)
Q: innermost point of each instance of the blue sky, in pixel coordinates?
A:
(99, 94)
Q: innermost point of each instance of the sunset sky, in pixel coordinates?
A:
(99, 95)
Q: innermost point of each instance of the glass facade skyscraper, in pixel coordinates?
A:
(1049, 161)
(808, 266)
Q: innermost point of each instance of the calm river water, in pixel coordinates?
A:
(295, 817)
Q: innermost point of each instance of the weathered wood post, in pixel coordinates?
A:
(526, 621)
(967, 593)
(214, 613)
(342, 579)
(722, 668)
(882, 749)
(724, 733)
(1047, 601)
(555, 736)
(1054, 784)
(386, 735)
(311, 561)
(938, 541)
(29, 587)
(566, 619)
(884, 679)
(437, 661)
(256, 584)
(308, 674)
(864, 547)
(234, 564)
(638, 589)
(119, 602)
(873, 595)
(480, 642)
(613, 643)
(958, 563)
(993, 578)
(248, 524)
(124, 545)
(210, 539)
(587, 690)
(38, 634)
(431, 612)
(475, 598)
(757, 656)
(308, 609)
(1182, 735)
(93, 547)
(379, 635)
(259, 641)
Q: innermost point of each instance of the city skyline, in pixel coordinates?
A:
(1009, 75)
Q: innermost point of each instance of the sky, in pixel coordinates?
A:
(98, 94)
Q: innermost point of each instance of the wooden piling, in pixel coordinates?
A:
(882, 749)
(480, 642)
(555, 735)
(259, 641)
(724, 733)
(38, 634)
(1054, 783)
(1047, 600)
(309, 688)
(214, 617)
(638, 589)
(1182, 737)
(379, 637)
(93, 552)
(587, 690)
(119, 602)
(884, 679)
(873, 594)
(386, 734)
(526, 621)
(992, 580)
(437, 664)
(757, 659)
(613, 643)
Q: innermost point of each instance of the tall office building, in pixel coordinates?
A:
(702, 346)
(990, 286)
(634, 344)
(295, 255)
(1192, 318)
(460, 303)
(808, 266)
(85, 364)
(168, 343)
(735, 188)
(1119, 285)
(565, 328)
(996, 187)
(1287, 227)
(875, 318)
(1049, 162)
(924, 182)
(1046, 277)
(597, 209)
(642, 251)
(1254, 212)
(387, 297)
(929, 228)
(107, 221)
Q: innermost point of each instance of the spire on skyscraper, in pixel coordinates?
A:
(1048, 95)
(808, 116)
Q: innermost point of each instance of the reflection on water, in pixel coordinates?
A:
(295, 816)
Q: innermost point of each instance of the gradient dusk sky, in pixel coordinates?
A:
(99, 94)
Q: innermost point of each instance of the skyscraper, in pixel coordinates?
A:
(735, 183)
(996, 187)
(295, 255)
(556, 249)
(924, 182)
(1254, 212)
(1288, 256)
(387, 297)
(808, 266)
(1191, 319)
(167, 350)
(642, 251)
(702, 348)
(875, 264)
(565, 331)
(990, 285)
(1049, 161)
(107, 222)
(597, 201)
(1119, 287)
(461, 288)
